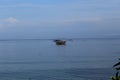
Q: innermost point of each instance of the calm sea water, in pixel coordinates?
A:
(83, 59)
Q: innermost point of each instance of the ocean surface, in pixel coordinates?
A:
(39, 59)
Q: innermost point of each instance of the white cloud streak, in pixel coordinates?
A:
(62, 22)
(11, 21)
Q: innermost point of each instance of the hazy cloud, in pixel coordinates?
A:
(11, 20)
(8, 22)
(62, 21)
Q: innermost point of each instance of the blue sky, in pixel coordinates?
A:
(58, 18)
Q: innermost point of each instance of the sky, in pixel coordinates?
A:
(25, 19)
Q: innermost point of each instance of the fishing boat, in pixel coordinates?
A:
(60, 42)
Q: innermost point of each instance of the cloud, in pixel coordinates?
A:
(11, 21)
(62, 21)
(92, 19)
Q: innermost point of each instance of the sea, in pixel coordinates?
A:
(42, 59)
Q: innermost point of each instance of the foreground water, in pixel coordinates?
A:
(83, 59)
